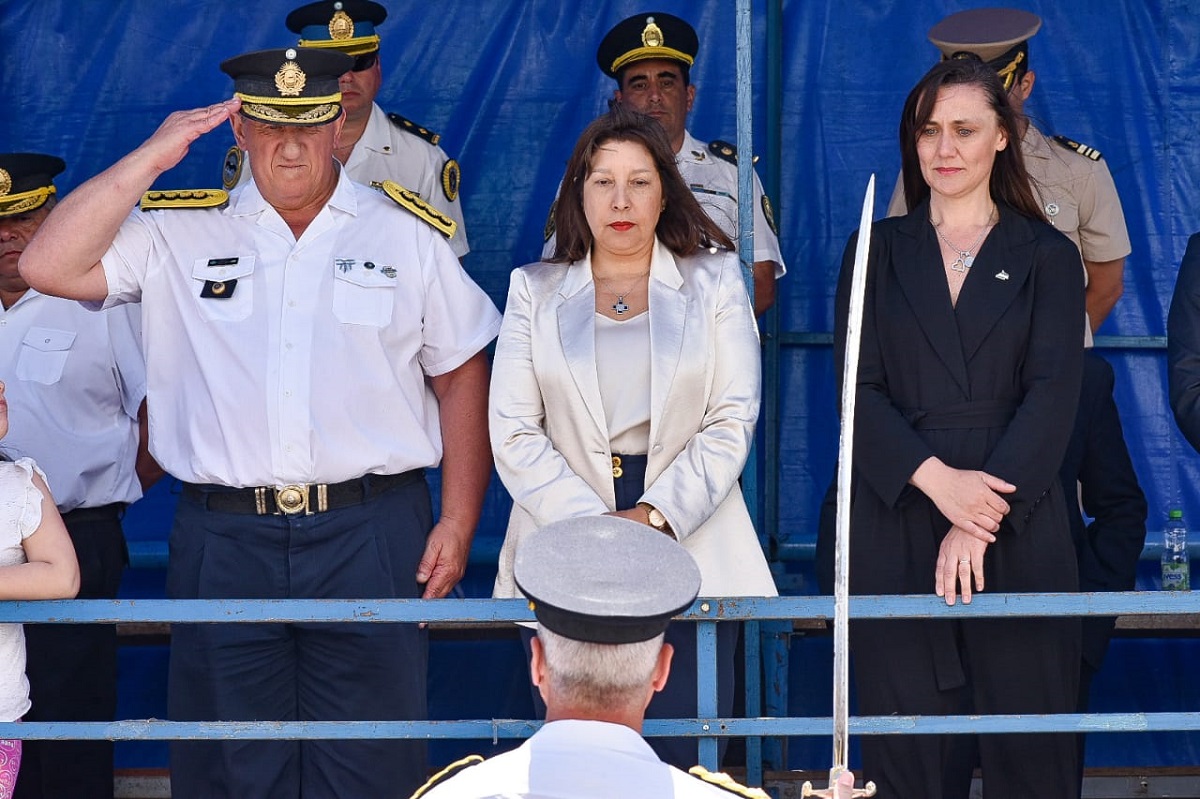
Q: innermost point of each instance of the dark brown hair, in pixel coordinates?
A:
(1009, 183)
(683, 226)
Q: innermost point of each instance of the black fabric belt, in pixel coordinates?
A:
(100, 513)
(964, 415)
(305, 498)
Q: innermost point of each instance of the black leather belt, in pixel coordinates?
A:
(305, 498)
(102, 513)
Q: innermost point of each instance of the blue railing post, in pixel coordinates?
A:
(706, 690)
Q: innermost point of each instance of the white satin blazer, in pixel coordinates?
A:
(547, 422)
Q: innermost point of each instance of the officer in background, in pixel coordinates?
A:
(313, 345)
(375, 146)
(650, 56)
(76, 389)
(1071, 180)
(603, 590)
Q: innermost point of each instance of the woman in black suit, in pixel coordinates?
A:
(968, 382)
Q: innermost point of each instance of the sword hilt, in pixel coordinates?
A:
(832, 791)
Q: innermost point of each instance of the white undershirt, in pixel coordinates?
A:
(623, 367)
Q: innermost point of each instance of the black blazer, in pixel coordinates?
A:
(1108, 549)
(991, 384)
(1183, 345)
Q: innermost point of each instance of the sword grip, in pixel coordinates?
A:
(833, 791)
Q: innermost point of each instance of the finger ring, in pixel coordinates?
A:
(964, 560)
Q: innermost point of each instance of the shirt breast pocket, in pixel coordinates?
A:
(44, 353)
(364, 296)
(223, 287)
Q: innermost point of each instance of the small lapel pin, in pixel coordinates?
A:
(1002, 275)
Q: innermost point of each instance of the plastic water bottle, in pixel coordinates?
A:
(1175, 568)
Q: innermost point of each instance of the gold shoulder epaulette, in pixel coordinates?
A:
(184, 198)
(409, 126)
(412, 202)
(446, 773)
(723, 150)
(725, 782)
(1082, 149)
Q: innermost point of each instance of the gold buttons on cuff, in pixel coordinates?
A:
(616, 466)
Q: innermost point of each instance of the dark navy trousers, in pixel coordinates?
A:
(305, 671)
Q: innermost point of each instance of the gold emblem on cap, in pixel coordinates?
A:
(5, 183)
(290, 79)
(340, 25)
(652, 35)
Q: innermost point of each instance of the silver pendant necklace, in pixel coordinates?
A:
(620, 307)
(965, 257)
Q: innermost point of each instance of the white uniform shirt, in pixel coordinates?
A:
(571, 759)
(313, 366)
(75, 380)
(714, 183)
(386, 152)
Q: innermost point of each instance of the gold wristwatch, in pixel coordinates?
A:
(656, 519)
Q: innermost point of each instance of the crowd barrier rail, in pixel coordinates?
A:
(707, 727)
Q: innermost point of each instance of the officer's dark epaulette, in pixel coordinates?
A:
(184, 198)
(412, 202)
(409, 126)
(1082, 149)
(723, 150)
(446, 773)
(725, 782)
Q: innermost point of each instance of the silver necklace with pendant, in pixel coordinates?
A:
(965, 257)
(620, 308)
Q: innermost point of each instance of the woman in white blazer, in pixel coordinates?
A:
(626, 380)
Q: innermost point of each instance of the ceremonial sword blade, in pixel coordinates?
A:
(841, 590)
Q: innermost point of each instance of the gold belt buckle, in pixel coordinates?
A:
(292, 499)
(616, 466)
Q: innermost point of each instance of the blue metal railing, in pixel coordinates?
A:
(707, 727)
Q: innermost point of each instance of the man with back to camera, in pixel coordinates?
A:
(76, 384)
(291, 329)
(375, 146)
(603, 590)
(650, 56)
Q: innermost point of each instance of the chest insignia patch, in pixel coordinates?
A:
(218, 289)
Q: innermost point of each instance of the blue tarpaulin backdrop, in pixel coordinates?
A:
(510, 83)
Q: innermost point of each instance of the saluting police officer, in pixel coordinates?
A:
(312, 346)
(76, 388)
(650, 56)
(1071, 179)
(603, 590)
(375, 146)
